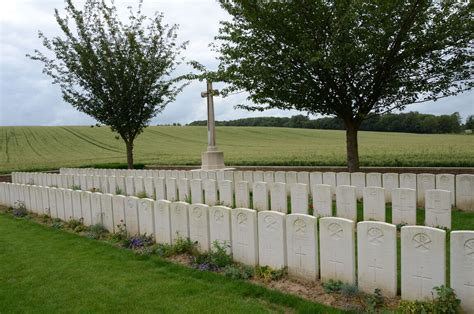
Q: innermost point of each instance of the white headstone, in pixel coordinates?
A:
(238, 176)
(242, 196)
(60, 204)
(291, 179)
(279, 200)
(145, 216)
(229, 175)
(149, 187)
(129, 185)
(302, 246)
(76, 205)
(96, 208)
(131, 215)
(179, 221)
(118, 204)
(272, 239)
(315, 178)
(86, 207)
(346, 202)
(408, 181)
(337, 253)
(244, 236)
(258, 176)
(171, 189)
(377, 257)
(203, 175)
(438, 208)
(299, 199)
(104, 184)
(212, 175)
(139, 185)
(389, 182)
(52, 207)
(446, 182)
(248, 176)
(107, 212)
(303, 177)
(120, 185)
(423, 251)
(374, 203)
(343, 178)
(424, 181)
(184, 190)
(160, 188)
(358, 180)
(210, 192)
(260, 196)
(404, 206)
(162, 222)
(330, 179)
(196, 174)
(280, 176)
(322, 200)
(373, 179)
(269, 177)
(462, 268)
(226, 193)
(112, 185)
(219, 227)
(199, 226)
(96, 183)
(465, 192)
(197, 195)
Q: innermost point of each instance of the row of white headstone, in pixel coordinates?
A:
(274, 196)
(461, 186)
(278, 240)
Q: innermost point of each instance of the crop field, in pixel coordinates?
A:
(40, 148)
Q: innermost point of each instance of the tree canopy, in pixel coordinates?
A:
(350, 59)
(118, 73)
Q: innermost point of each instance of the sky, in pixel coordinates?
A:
(27, 96)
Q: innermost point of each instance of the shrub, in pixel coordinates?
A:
(415, 307)
(374, 301)
(138, 241)
(19, 210)
(183, 246)
(239, 271)
(348, 290)
(97, 231)
(75, 187)
(57, 223)
(121, 233)
(142, 195)
(76, 225)
(268, 274)
(332, 286)
(446, 300)
(164, 250)
(118, 191)
(219, 256)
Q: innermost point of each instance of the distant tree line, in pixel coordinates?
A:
(411, 122)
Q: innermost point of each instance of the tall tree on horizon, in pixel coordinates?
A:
(349, 59)
(120, 74)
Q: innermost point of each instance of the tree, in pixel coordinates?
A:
(120, 74)
(349, 59)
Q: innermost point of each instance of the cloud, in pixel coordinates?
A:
(27, 96)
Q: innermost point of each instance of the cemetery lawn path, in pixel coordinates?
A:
(44, 270)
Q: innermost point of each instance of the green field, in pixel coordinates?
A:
(29, 148)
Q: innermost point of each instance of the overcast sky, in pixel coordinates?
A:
(27, 96)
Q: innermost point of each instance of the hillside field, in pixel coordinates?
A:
(40, 148)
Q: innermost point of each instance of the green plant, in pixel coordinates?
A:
(57, 223)
(188, 199)
(76, 225)
(219, 255)
(75, 187)
(349, 290)
(120, 233)
(374, 301)
(138, 241)
(97, 231)
(142, 195)
(268, 274)
(118, 191)
(238, 271)
(446, 300)
(415, 307)
(332, 286)
(19, 210)
(164, 250)
(53, 186)
(184, 246)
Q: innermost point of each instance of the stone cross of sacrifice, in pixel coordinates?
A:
(211, 125)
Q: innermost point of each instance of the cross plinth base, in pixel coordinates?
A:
(212, 160)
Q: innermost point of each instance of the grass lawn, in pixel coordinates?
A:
(48, 271)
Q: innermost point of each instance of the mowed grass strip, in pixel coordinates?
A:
(39, 148)
(45, 270)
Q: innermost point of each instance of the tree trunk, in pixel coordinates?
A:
(129, 145)
(352, 146)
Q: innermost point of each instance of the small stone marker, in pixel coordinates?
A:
(377, 257)
(171, 189)
(244, 236)
(199, 226)
(107, 212)
(179, 221)
(149, 188)
(210, 192)
(219, 226)
(86, 209)
(315, 178)
(272, 239)
(162, 222)
(160, 188)
(373, 179)
(226, 193)
(279, 201)
(131, 215)
(390, 182)
(260, 196)
(358, 180)
(423, 251)
(465, 192)
(184, 190)
(337, 253)
(242, 196)
(438, 208)
(462, 268)
(197, 195)
(118, 205)
(446, 182)
(424, 181)
(299, 199)
(322, 200)
(302, 246)
(408, 181)
(404, 206)
(146, 217)
(330, 179)
(129, 186)
(346, 202)
(374, 203)
(96, 208)
(343, 178)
